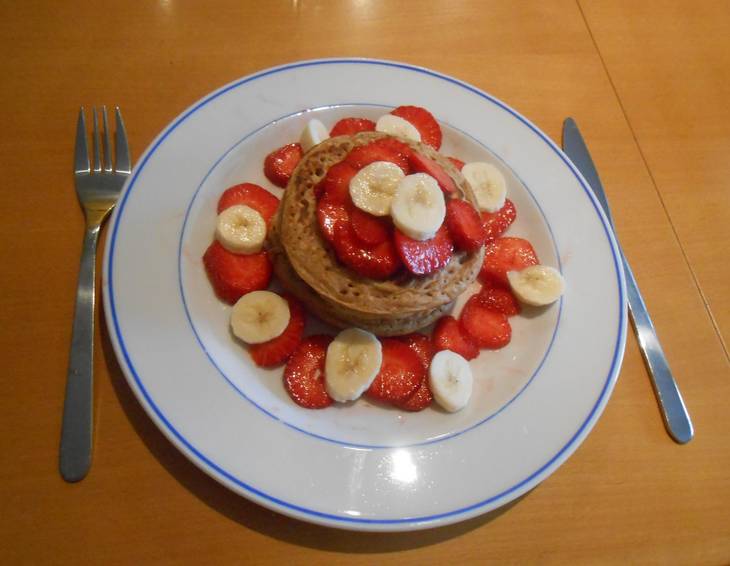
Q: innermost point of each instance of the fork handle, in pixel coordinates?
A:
(75, 453)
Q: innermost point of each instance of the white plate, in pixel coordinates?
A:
(362, 466)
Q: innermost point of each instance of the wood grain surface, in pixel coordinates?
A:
(648, 85)
(669, 66)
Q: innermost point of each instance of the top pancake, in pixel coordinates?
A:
(314, 261)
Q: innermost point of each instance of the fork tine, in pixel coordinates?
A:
(81, 152)
(105, 141)
(121, 156)
(96, 142)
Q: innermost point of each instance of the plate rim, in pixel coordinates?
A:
(297, 511)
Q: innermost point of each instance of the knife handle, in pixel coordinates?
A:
(674, 412)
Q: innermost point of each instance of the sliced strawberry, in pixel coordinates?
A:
(234, 275)
(449, 335)
(386, 149)
(424, 257)
(419, 400)
(488, 328)
(465, 225)
(421, 164)
(277, 350)
(499, 299)
(423, 121)
(402, 149)
(251, 195)
(506, 254)
(370, 230)
(280, 164)
(379, 262)
(328, 215)
(496, 223)
(421, 345)
(335, 186)
(352, 126)
(458, 163)
(401, 373)
(304, 373)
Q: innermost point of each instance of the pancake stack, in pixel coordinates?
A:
(308, 268)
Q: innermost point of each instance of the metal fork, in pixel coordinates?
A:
(98, 190)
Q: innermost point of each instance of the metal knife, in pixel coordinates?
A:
(674, 412)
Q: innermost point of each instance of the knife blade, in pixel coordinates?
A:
(674, 412)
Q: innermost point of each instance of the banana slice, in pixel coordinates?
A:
(352, 362)
(373, 187)
(418, 208)
(397, 126)
(259, 316)
(241, 229)
(450, 379)
(488, 184)
(537, 285)
(313, 134)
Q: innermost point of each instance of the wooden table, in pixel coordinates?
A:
(648, 85)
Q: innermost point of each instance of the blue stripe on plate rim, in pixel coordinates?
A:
(290, 425)
(299, 511)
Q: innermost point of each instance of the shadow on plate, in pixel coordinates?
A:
(255, 517)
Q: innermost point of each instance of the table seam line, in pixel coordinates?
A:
(695, 280)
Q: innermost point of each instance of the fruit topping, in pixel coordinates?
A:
(537, 285)
(506, 254)
(458, 163)
(499, 299)
(400, 375)
(423, 121)
(251, 195)
(488, 328)
(418, 208)
(352, 126)
(421, 164)
(260, 316)
(397, 126)
(370, 230)
(304, 373)
(424, 257)
(314, 133)
(377, 262)
(451, 380)
(496, 223)
(328, 215)
(233, 275)
(487, 183)
(335, 186)
(421, 345)
(277, 350)
(241, 229)
(465, 225)
(353, 360)
(386, 149)
(449, 335)
(373, 187)
(280, 164)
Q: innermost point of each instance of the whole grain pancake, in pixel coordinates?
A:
(308, 267)
(338, 315)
